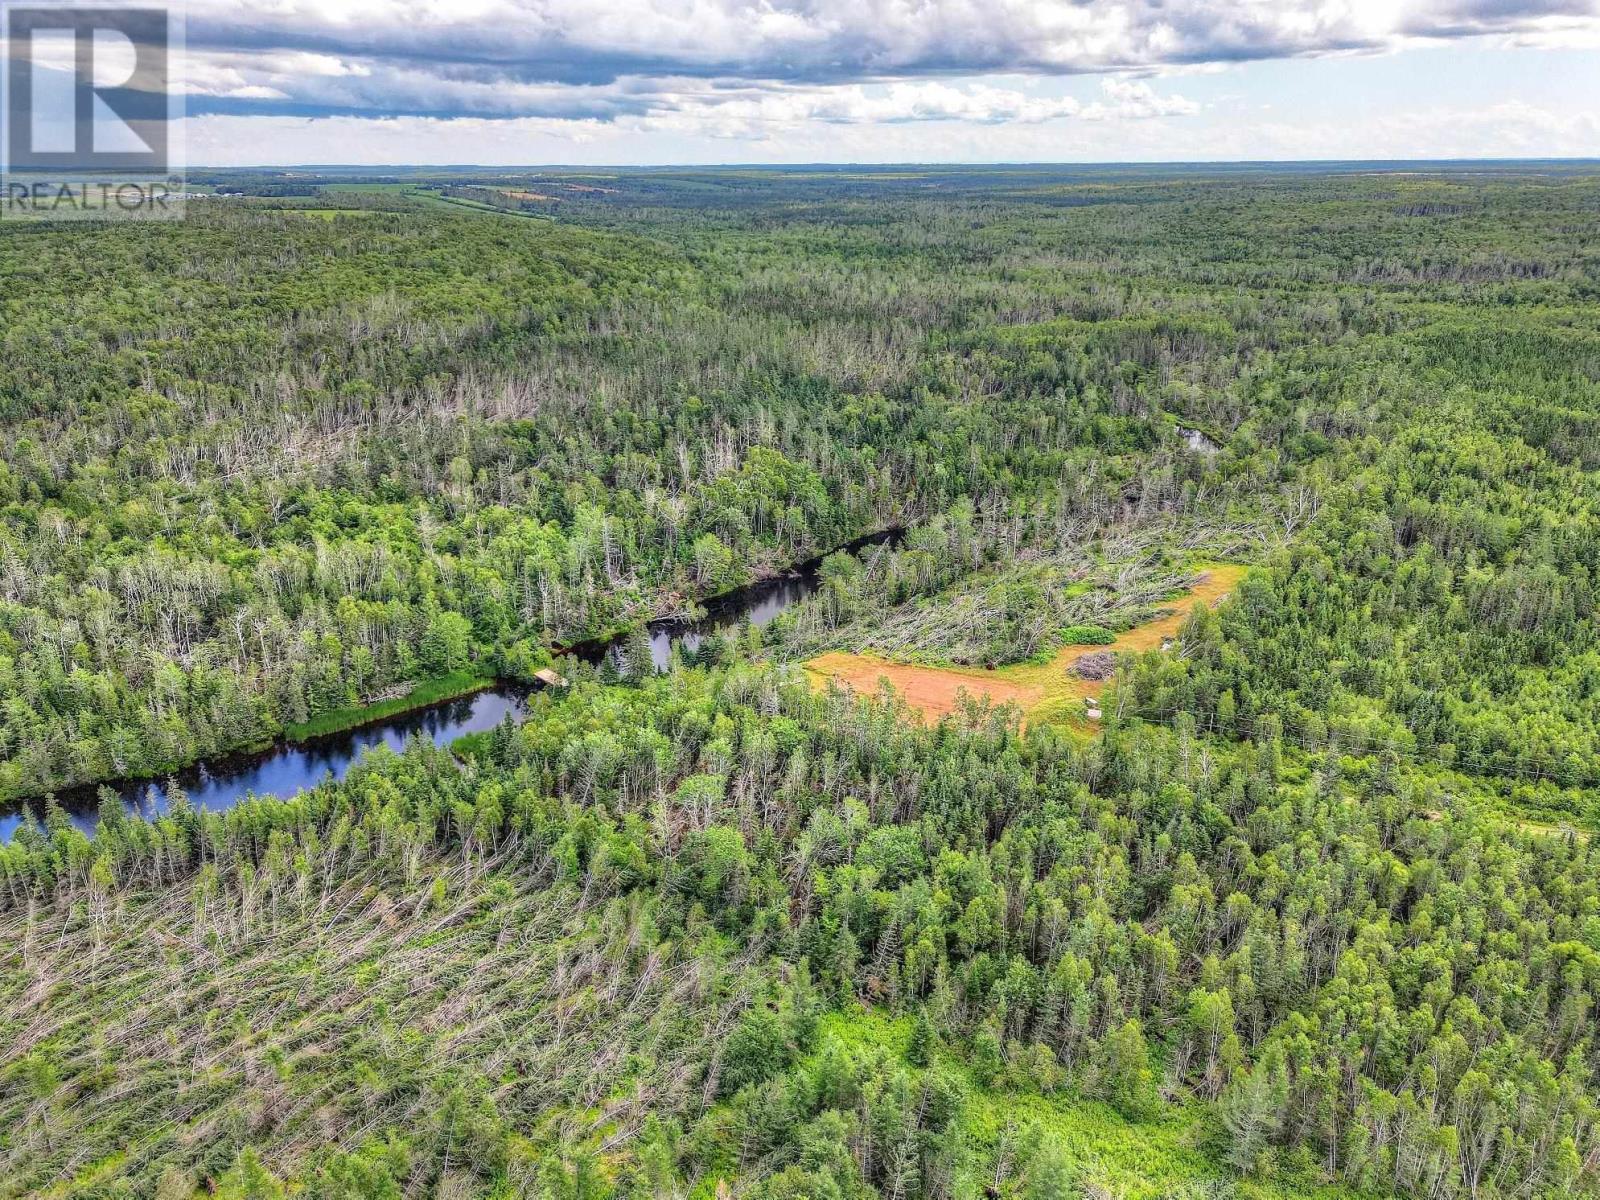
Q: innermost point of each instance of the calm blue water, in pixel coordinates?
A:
(757, 608)
(291, 767)
(754, 605)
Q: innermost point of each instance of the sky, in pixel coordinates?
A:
(802, 81)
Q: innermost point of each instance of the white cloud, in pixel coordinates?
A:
(761, 114)
(647, 80)
(255, 91)
(1508, 130)
(487, 56)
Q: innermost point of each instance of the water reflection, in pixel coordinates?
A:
(758, 609)
(291, 767)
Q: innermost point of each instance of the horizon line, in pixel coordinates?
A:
(890, 163)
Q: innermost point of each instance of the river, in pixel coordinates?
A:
(289, 767)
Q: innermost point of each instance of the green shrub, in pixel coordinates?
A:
(1087, 635)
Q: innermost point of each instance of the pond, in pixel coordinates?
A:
(289, 767)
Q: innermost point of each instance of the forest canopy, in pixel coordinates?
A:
(1308, 906)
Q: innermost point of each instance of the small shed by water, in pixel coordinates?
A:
(549, 677)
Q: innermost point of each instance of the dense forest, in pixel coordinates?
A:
(720, 927)
(1313, 910)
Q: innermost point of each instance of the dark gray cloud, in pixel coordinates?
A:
(604, 59)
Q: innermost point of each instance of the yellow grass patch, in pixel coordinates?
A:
(1048, 691)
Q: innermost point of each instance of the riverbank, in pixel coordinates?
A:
(470, 705)
(445, 709)
(1048, 691)
(429, 691)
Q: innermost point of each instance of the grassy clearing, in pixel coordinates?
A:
(436, 200)
(1045, 691)
(429, 691)
(1133, 1160)
(328, 214)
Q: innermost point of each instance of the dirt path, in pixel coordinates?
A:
(1044, 691)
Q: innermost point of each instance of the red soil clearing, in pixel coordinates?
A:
(1044, 691)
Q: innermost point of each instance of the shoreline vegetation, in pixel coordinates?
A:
(457, 684)
(426, 692)
(465, 683)
(690, 610)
